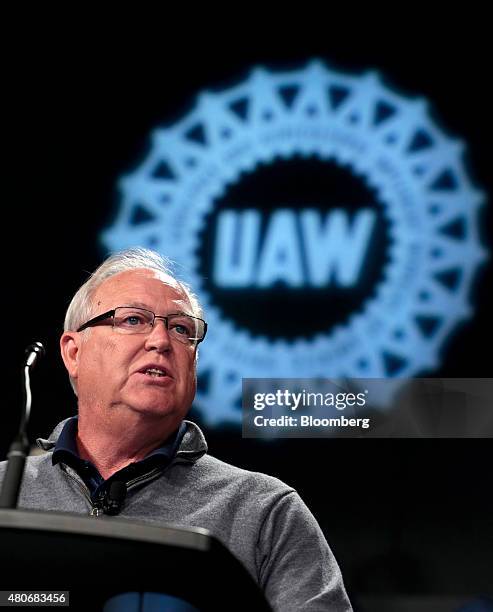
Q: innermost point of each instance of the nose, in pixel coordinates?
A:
(158, 338)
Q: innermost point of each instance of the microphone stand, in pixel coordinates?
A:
(19, 449)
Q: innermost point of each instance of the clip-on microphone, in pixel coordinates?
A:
(114, 498)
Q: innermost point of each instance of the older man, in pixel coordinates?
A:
(130, 348)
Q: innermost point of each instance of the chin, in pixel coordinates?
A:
(153, 409)
(156, 409)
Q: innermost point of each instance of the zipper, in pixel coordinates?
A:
(95, 510)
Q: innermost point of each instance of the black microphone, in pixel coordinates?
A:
(114, 498)
(19, 449)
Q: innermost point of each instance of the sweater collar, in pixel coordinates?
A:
(192, 446)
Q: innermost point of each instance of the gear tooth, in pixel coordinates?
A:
(155, 138)
(158, 140)
(282, 345)
(421, 106)
(300, 345)
(318, 341)
(231, 329)
(431, 363)
(459, 146)
(259, 340)
(205, 98)
(124, 183)
(213, 311)
(393, 233)
(261, 344)
(372, 77)
(336, 330)
(243, 336)
(258, 74)
(315, 66)
(483, 255)
(479, 197)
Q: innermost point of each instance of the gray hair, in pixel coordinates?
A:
(81, 308)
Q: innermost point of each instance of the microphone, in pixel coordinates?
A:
(34, 351)
(19, 449)
(114, 498)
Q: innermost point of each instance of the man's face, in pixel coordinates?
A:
(109, 367)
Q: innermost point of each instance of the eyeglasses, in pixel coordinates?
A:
(131, 320)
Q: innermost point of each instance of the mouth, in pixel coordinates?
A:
(155, 372)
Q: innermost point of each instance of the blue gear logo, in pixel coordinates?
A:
(357, 122)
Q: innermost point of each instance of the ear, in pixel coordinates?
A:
(70, 344)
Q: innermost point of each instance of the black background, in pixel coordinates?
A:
(411, 516)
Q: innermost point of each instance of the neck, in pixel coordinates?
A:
(112, 446)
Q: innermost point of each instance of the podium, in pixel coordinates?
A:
(99, 559)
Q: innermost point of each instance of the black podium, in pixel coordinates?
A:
(98, 559)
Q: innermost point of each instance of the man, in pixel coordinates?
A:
(130, 348)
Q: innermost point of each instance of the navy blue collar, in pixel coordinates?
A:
(66, 451)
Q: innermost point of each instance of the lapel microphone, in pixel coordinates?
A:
(114, 497)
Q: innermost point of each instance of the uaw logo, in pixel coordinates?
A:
(328, 225)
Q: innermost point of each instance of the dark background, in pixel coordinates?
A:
(403, 516)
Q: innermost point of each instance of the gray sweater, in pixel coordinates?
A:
(261, 520)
